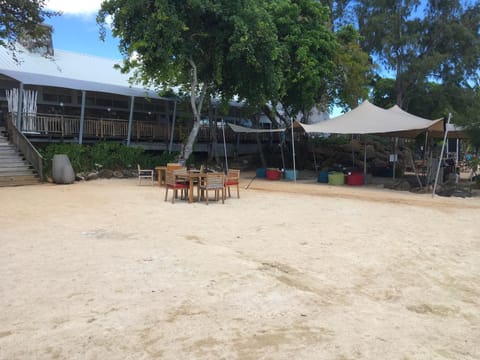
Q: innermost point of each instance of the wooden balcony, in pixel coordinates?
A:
(61, 127)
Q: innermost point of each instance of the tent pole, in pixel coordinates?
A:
(293, 154)
(441, 154)
(364, 157)
(353, 153)
(457, 153)
(395, 156)
(224, 145)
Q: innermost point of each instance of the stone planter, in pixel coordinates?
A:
(62, 170)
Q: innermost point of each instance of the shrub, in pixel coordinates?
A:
(104, 155)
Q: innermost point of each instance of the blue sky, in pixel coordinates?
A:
(76, 29)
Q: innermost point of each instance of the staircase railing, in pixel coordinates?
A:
(25, 146)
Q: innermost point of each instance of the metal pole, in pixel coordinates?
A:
(170, 146)
(20, 106)
(353, 152)
(130, 120)
(457, 154)
(224, 145)
(293, 155)
(394, 156)
(441, 154)
(82, 118)
(364, 158)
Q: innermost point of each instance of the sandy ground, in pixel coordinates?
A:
(108, 270)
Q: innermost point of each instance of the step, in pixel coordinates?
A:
(14, 165)
(19, 180)
(15, 171)
(7, 149)
(13, 160)
(9, 155)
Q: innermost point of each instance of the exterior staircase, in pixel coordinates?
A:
(14, 169)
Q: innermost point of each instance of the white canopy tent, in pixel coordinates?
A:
(370, 119)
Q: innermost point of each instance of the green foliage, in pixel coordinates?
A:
(204, 47)
(439, 45)
(353, 70)
(104, 155)
(307, 49)
(78, 155)
(256, 50)
(473, 163)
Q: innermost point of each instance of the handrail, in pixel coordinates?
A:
(25, 146)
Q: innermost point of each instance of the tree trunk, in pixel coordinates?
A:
(196, 104)
(188, 149)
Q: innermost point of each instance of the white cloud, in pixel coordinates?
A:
(74, 7)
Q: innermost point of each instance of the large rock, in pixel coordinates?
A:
(62, 170)
(91, 176)
(105, 173)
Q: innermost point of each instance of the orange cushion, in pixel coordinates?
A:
(231, 182)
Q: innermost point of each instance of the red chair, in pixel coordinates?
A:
(233, 179)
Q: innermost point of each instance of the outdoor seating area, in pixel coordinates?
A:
(196, 184)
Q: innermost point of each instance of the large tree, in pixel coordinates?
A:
(207, 47)
(257, 51)
(422, 41)
(321, 67)
(23, 18)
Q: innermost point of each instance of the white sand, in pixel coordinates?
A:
(108, 270)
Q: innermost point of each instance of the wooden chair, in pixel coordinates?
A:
(144, 174)
(215, 182)
(172, 182)
(233, 179)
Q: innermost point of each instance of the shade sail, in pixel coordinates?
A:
(370, 119)
(244, 129)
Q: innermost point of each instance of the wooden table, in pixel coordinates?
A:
(191, 176)
(161, 173)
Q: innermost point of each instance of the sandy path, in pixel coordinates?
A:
(108, 270)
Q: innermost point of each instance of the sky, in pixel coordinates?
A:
(76, 29)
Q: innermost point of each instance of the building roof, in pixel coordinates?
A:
(69, 70)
